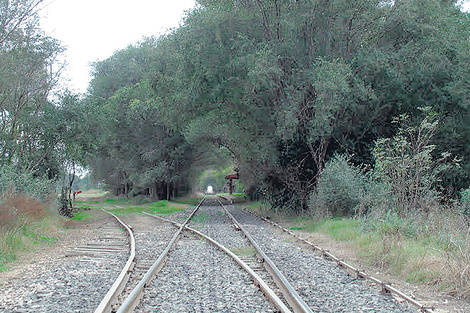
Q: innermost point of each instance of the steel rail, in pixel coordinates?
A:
(270, 294)
(134, 297)
(291, 295)
(386, 287)
(120, 282)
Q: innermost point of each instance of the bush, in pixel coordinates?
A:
(15, 208)
(340, 189)
(22, 196)
(465, 203)
(14, 182)
(406, 164)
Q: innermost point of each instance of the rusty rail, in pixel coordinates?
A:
(294, 299)
(134, 297)
(120, 282)
(275, 300)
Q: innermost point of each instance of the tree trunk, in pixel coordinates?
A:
(319, 154)
(72, 178)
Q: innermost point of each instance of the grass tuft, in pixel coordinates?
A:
(81, 215)
(432, 250)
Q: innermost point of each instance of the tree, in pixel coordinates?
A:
(29, 72)
(283, 86)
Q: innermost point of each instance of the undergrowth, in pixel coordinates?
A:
(432, 250)
(187, 201)
(81, 215)
(24, 237)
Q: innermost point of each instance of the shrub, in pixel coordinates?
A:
(14, 208)
(465, 204)
(14, 182)
(340, 189)
(406, 164)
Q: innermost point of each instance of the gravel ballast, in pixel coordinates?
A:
(324, 286)
(65, 284)
(198, 277)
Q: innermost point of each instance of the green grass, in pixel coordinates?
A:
(118, 201)
(5, 259)
(387, 243)
(235, 194)
(87, 202)
(81, 215)
(341, 229)
(93, 194)
(46, 239)
(187, 201)
(260, 208)
(23, 238)
(200, 218)
(159, 207)
(236, 197)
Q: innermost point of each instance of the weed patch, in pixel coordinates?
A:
(81, 215)
(4, 259)
(187, 201)
(402, 247)
(200, 218)
(118, 201)
(27, 224)
(244, 251)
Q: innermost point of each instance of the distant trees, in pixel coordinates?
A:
(138, 152)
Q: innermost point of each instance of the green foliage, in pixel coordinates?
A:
(390, 223)
(406, 164)
(281, 88)
(340, 189)
(29, 70)
(13, 181)
(216, 178)
(465, 203)
(152, 164)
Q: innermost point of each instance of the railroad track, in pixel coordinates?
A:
(140, 289)
(251, 263)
